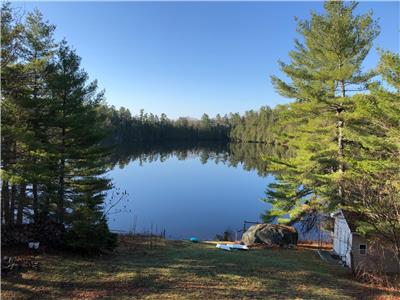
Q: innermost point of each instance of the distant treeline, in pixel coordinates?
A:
(253, 126)
(147, 127)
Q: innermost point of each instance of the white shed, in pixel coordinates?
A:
(342, 237)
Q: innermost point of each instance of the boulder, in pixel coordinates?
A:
(271, 235)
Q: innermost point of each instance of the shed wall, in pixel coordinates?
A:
(342, 240)
(376, 258)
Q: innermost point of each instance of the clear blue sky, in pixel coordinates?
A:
(186, 58)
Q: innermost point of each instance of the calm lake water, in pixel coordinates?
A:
(189, 190)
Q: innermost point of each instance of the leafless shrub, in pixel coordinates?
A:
(372, 269)
(379, 203)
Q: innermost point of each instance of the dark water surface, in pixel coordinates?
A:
(189, 189)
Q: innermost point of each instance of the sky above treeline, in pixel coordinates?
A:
(190, 58)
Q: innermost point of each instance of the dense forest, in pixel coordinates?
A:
(125, 128)
(253, 126)
(340, 133)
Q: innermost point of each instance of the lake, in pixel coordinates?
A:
(200, 189)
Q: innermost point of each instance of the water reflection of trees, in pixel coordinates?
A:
(247, 155)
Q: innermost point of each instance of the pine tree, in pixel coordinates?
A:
(76, 130)
(52, 126)
(39, 48)
(24, 94)
(325, 68)
(12, 122)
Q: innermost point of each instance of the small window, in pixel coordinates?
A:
(363, 249)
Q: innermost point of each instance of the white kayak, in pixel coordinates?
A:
(223, 247)
(229, 247)
(239, 247)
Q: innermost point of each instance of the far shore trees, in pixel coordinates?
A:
(253, 126)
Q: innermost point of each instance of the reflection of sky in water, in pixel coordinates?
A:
(188, 198)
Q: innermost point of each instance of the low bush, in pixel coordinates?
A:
(88, 238)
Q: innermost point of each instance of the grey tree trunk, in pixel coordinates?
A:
(12, 203)
(21, 203)
(61, 189)
(5, 201)
(340, 126)
(61, 192)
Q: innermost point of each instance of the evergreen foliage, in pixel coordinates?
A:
(53, 164)
(342, 129)
(253, 126)
(325, 67)
(125, 128)
(373, 182)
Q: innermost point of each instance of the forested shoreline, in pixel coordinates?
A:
(252, 126)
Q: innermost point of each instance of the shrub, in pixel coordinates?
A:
(88, 238)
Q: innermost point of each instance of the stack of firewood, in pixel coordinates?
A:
(50, 234)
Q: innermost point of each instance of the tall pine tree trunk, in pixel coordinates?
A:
(61, 192)
(5, 201)
(61, 188)
(12, 203)
(21, 203)
(340, 126)
(35, 126)
(44, 208)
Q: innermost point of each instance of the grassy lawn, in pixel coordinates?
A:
(182, 270)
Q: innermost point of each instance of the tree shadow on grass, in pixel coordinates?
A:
(191, 271)
(35, 288)
(293, 274)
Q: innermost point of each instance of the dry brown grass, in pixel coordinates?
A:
(183, 270)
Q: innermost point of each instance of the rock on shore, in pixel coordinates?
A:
(270, 234)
